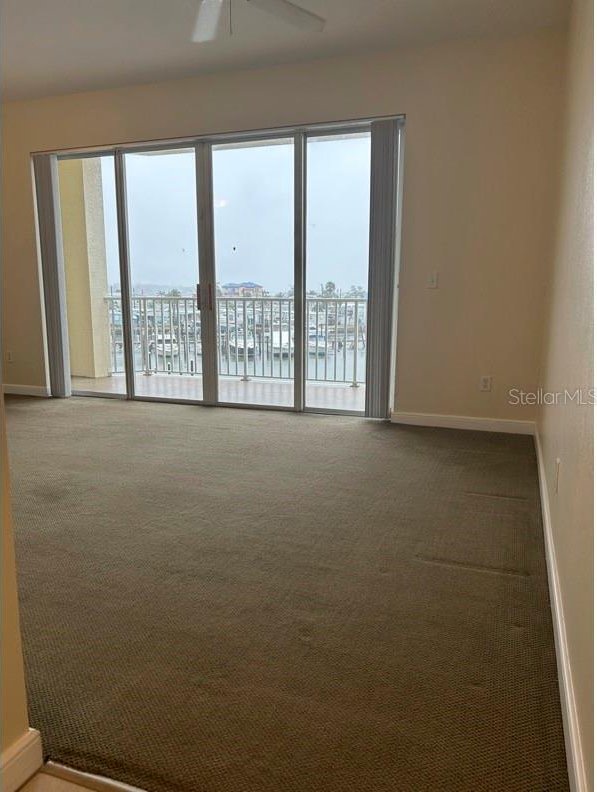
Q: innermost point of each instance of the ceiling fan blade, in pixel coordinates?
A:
(291, 13)
(208, 20)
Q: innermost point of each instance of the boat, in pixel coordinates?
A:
(165, 345)
(281, 343)
(318, 344)
(239, 345)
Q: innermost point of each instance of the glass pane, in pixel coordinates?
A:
(92, 275)
(254, 252)
(338, 184)
(162, 227)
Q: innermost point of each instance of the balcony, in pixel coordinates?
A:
(255, 350)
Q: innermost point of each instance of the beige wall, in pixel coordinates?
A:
(481, 142)
(481, 187)
(566, 431)
(14, 703)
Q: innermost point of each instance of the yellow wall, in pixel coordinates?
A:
(85, 269)
(482, 139)
(14, 702)
(566, 431)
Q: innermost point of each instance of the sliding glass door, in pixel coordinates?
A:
(337, 270)
(161, 213)
(253, 270)
(93, 294)
(253, 207)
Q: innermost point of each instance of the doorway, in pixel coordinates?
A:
(237, 270)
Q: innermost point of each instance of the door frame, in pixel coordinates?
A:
(386, 185)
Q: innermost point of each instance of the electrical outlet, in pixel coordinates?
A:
(433, 280)
(485, 383)
(557, 474)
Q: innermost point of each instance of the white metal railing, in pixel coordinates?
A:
(255, 337)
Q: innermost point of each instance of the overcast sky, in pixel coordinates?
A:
(253, 206)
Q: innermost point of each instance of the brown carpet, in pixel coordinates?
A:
(223, 600)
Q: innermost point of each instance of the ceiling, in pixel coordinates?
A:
(61, 46)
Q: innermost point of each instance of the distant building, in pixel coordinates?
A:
(245, 289)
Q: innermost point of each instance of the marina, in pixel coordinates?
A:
(256, 354)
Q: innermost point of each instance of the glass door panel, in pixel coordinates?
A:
(253, 194)
(337, 270)
(161, 201)
(92, 274)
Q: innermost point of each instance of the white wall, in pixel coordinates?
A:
(566, 432)
(482, 142)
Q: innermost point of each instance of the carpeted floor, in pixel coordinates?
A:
(219, 600)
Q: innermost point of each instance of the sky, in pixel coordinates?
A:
(253, 215)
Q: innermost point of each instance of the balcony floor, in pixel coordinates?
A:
(266, 392)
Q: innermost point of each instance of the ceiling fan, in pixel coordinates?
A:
(210, 16)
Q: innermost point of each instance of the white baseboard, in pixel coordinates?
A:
(26, 390)
(464, 422)
(574, 754)
(21, 760)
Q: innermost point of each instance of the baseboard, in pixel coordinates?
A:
(21, 760)
(464, 422)
(87, 780)
(574, 754)
(26, 390)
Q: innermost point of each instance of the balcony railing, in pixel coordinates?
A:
(255, 337)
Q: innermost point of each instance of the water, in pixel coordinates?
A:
(167, 337)
(336, 366)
